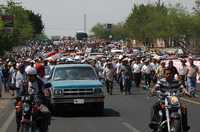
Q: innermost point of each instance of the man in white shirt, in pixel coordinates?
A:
(108, 73)
(137, 72)
(118, 69)
(182, 70)
(154, 64)
(146, 72)
(20, 78)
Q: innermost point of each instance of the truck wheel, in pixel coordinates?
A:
(53, 109)
(100, 108)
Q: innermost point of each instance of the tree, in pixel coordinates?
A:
(36, 22)
(1, 24)
(147, 22)
(100, 31)
(22, 26)
(26, 25)
(197, 7)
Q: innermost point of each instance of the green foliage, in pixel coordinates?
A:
(197, 7)
(36, 21)
(1, 25)
(41, 38)
(118, 31)
(149, 22)
(26, 25)
(99, 31)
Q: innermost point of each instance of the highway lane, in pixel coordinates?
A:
(123, 113)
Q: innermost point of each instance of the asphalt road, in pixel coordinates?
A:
(123, 113)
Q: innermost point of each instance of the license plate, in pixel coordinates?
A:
(79, 101)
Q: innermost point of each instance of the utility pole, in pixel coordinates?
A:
(159, 3)
(85, 23)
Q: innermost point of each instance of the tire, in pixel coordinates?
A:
(176, 125)
(99, 108)
(54, 109)
(44, 127)
(25, 128)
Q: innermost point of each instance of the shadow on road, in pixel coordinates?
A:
(108, 112)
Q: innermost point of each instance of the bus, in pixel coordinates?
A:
(80, 35)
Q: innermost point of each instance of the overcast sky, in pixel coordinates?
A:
(65, 17)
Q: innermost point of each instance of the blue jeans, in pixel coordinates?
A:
(18, 92)
(191, 81)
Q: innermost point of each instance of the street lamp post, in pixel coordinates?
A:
(85, 23)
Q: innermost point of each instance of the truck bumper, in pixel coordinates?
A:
(77, 100)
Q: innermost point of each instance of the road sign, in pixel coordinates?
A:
(8, 22)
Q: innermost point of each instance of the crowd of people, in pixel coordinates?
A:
(123, 69)
(126, 71)
(23, 70)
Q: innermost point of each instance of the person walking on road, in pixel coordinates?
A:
(137, 72)
(108, 73)
(154, 64)
(146, 72)
(126, 77)
(182, 70)
(20, 79)
(160, 70)
(118, 69)
(6, 77)
(193, 70)
(13, 72)
(1, 80)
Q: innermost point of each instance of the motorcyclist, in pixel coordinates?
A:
(36, 87)
(168, 78)
(34, 84)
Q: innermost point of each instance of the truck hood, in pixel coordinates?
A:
(76, 84)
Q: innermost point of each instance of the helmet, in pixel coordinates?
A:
(120, 57)
(30, 70)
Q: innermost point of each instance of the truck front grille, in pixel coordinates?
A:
(88, 91)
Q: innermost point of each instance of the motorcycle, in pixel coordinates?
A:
(31, 114)
(170, 116)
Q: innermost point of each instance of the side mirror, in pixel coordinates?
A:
(47, 77)
(102, 80)
(47, 85)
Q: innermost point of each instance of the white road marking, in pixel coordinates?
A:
(190, 101)
(7, 122)
(130, 127)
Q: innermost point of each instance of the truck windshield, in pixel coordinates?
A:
(74, 73)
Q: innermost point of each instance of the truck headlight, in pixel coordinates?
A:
(58, 92)
(174, 100)
(99, 90)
